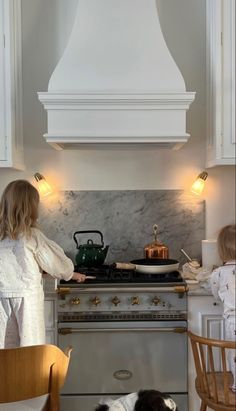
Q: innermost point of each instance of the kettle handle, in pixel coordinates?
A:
(87, 231)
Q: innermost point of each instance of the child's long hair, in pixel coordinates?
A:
(18, 209)
(227, 243)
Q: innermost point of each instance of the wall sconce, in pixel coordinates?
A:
(199, 183)
(43, 186)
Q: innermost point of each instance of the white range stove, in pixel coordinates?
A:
(128, 332)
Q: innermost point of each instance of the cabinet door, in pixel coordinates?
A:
(2, 88)
(51, 337)
(205, 317)
(49, 312)
(220, 47)
(50, 316)
(11, 130)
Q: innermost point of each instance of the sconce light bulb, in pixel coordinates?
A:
(199, 183)
(43, 186)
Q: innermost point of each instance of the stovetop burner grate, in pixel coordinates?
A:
(108, 274)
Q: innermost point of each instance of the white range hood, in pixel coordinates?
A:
(116, 81)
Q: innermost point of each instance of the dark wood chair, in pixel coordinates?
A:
(212, 384)
(30, 372)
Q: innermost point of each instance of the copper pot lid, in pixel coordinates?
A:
(156, 249)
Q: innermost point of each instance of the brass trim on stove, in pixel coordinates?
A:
(65, 331)
(180, 289)
(124, 288)
(63, 290)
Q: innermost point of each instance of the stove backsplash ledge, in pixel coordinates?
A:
(126, 219)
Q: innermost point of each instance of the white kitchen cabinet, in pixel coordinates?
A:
(220, 55)
(205, 318)
(11, 130)
(50, 313)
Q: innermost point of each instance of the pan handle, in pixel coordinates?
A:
(124, 266)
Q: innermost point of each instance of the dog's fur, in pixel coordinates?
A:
(148, 400)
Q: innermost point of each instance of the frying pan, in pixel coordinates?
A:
(150, 266)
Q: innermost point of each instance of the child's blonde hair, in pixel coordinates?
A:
(18, 209)
(227, 243)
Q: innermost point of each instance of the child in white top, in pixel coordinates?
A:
(25, 253)
(223, 287)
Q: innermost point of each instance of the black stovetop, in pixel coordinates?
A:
(108, 274)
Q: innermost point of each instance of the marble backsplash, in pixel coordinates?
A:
(126, 219)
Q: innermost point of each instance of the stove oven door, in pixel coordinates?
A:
(121, 357)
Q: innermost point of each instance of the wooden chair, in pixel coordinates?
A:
(30, 372)
(213, 386)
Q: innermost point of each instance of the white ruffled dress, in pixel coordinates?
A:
(22, 262)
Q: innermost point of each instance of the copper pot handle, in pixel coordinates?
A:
(155, 230)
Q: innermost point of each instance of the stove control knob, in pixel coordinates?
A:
(75, 301)
(95, 301)
(156, 300)
(115, 301)
(135, 301)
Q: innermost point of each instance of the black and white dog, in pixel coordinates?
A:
(145, 400)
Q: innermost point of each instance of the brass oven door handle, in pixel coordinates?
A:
(65, 331)
(89, 289)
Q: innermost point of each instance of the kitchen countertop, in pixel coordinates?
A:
(195, 289)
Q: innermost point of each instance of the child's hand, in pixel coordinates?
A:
(80, 278)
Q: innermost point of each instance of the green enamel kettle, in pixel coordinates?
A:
(90, 254)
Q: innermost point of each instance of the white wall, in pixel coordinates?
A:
(46, 26)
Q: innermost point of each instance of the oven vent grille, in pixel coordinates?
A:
(72, 317)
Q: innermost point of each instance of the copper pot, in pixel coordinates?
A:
(156, 249)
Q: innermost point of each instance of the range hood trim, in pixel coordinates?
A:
(115, 102)
(171, 99)
(60, 143)
(69, 142)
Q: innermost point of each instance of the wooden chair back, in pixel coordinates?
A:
(29, 372)
(213, 380)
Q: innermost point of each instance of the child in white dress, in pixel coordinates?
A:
(25, 253)
(223, 287)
